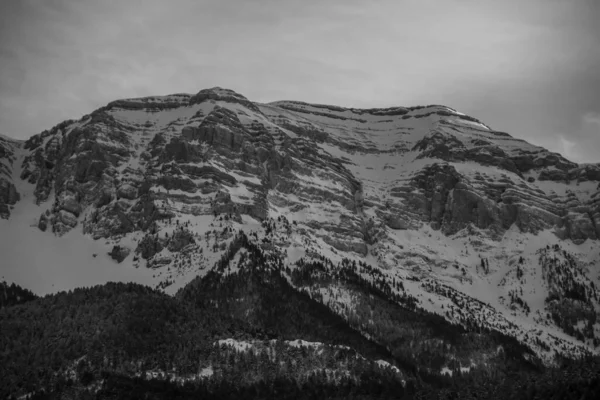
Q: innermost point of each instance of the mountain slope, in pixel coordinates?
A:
(152, 190)
(241, 328)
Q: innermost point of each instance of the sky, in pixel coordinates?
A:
(527, 67)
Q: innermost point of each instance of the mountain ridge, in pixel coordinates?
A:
(152, 189)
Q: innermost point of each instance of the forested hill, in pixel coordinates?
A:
(250, 329)
(14, 294)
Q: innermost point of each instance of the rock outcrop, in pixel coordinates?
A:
(8, 192)
(119, 253)
(149, 246)
(180, 239)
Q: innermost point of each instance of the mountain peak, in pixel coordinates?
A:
(223, 95)
(224, 92)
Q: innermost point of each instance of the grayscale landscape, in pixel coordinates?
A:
(209, 245)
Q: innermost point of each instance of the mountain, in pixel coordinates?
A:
(440, 246)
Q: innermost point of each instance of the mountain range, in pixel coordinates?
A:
(312, 249)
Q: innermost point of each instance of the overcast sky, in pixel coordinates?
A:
(528, 67)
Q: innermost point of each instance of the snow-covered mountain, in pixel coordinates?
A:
(432, 205)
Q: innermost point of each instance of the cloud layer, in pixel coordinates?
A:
(528, 68)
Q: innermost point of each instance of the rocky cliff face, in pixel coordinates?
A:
(397, 187)
(200, 150)
(8, 192)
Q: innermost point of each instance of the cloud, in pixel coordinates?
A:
(587, 140)
(582, 143)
